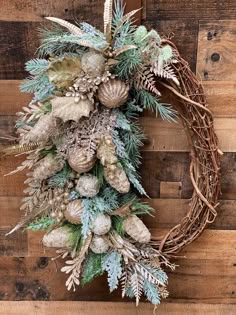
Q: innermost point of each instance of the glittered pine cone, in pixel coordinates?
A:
(99, 244)
(80, 160)
(60, 237)
(93, 63)
(87, 185)
(113, 93)
(135, 228)
(74, 211)
(42, 130)
(47, 167)
(116, 177)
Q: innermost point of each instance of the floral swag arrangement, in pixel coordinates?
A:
(82, 139)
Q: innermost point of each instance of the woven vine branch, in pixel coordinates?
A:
(204, 168)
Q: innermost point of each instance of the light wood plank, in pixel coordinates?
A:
(216, 47)
(108, 308)
(165, 136)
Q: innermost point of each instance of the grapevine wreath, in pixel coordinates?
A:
(82, 139)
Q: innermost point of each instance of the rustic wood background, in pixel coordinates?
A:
(205, 33)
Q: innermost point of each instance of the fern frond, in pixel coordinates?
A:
(145, 79)
(165, 72)
(136, 282)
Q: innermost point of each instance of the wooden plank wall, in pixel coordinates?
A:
(205, 33)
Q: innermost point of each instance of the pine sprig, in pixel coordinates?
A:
(150, 102)
(92, 267)
(42, 223)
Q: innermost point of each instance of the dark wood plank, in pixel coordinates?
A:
(209, 263)
(174, 167)
(27, 10)
(169, 212)
(194, 9)
(164, 167)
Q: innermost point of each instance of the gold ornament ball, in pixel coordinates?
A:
(113, 93)
(99, 244)
(74, 211)
(101, 224)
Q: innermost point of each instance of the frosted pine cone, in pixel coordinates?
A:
(60, 237)
(80, 160)
(47, 167)
(101, 224)
(116, 177)
(74, 211)
(99, 244)
(87, 186)
(135, 228)
(42, 130)
(93, 63)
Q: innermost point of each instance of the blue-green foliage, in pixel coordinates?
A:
(38, 81)
(112, 264)
(105, 201)
(151, 292)
(93, 31)
(128, 63)
(36, 66)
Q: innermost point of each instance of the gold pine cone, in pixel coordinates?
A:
(135, 228)
(106, 151)
(42, 130)
(113, 93)
(59, 237)
(47, 167)
(74, 211)
(80, 160)
(93, 63)
(116, 177)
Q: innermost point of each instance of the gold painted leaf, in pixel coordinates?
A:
(67, 109)
(62, 71)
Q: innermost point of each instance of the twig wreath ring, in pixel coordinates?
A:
(82, 139)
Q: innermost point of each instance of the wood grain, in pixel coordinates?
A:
(194, 9)
(216, 47)
(211, 259)
(164, 167)
(161, 135)
(27, 10)
(107, 308)
(218, 93)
